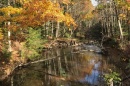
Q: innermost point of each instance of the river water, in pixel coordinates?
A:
(71, 67)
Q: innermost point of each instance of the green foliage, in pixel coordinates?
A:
(67, 35)
(100, 6)
(113, 76)
(62, 72)
(125, 33)
(33, 45)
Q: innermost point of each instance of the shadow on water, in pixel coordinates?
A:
(70, 69)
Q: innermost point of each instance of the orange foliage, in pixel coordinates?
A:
(128, 1)
(87, 9)
(37, 12)
(34, 13)
(128, 8)
(2, 18)
(69, 20)
(88, 5)
(9, 10)
(122, 15)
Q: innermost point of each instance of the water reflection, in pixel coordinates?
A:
(69, 69)
(94, 77)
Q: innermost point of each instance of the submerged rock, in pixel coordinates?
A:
(93, 48)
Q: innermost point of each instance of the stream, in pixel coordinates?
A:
(72, 66)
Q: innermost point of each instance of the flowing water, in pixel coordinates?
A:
(69, 68)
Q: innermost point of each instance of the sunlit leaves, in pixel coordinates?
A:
(34, 13)
(122, 16)
(37, 12)
(8, 13)
(128, 8)
(88, 16)
(1, 34)
(123, 7)
(10, 10)
(112, 77)
(69, 20)
(123, 4)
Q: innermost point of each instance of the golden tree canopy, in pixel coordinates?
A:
(35, 13)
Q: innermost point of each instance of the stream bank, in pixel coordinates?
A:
(114, 56)
(120, 60)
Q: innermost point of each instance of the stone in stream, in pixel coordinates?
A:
(93, 48)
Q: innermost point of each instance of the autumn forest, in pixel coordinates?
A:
(30, 29)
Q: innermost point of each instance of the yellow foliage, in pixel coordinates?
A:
(122, 15)
(1, 34)
(88, 16)
(37, 12)
(69, 20)
(34, 13)
(129, 8)
(10, 10)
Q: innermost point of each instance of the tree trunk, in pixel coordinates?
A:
(57, 30)
(52, 29)
(119, 23)
(121, 33)
(47, 29)
(9, 32)
(111, 83)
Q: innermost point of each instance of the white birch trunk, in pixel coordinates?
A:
(9, 32)
(111, 83)
(121, 33)
(57, 30)
(52, 30)
(9, 41)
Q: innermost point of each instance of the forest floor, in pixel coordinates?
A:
(6, 68)
(2, 69)
(120, 59)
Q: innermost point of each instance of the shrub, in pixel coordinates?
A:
(33, 45)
